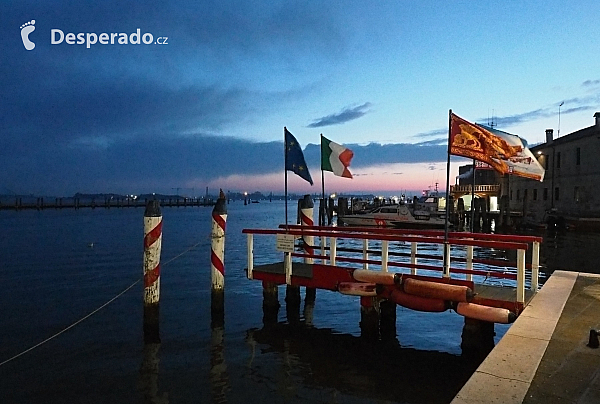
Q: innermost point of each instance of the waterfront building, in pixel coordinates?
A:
(567, 196)
(569, 193)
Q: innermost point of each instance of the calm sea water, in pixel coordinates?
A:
(57, 266)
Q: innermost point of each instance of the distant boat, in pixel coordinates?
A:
(255, 201)
(424, 212)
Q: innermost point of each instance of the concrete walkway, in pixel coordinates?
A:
(543, 357)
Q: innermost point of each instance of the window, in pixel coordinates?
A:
(525, 195)
(558, 160)
(518, 194)
(578, 156)
(535, 194)
(511, 194)
(545, 197)
(576, 194)
(556, 194)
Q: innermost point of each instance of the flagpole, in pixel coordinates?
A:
(446, 272)
(322, 204)
(285, 175)
(473, 198)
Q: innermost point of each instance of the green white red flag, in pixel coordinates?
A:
(335, 158)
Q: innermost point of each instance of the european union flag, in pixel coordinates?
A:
(294, 158)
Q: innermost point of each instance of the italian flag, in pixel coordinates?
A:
(335, 158)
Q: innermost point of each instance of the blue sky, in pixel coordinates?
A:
(208, 108)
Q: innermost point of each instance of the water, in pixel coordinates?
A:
(57, 266)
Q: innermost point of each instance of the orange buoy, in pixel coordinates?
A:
(419, 303)
(382, 278)
(436, 290)
(486, 313)
(358, 289)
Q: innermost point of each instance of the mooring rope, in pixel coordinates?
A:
(94, 311)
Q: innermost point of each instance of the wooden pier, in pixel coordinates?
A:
(496, 283)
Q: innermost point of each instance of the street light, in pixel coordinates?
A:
(560, 105)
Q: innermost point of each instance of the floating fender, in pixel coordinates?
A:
(358, 289)
(419, 303)
(485, 313)
(435, 290)
(382, 278)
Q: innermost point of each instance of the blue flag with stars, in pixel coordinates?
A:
(294, 158)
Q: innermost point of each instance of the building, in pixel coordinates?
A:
(568, 195)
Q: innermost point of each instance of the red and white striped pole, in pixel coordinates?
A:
(152, 247)
(219, 219)
(306, 219)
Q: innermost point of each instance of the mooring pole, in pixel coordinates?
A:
(306, 219)
(219, 219)
(152, 247)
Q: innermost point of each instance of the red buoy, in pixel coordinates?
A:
(419, 303)
(358, 289)
(436, 290)
(485, 313)
(382, 278)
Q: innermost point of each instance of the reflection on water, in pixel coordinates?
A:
(338, 366)
(570, 251)
(313, 353)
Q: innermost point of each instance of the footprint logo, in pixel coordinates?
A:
(27, 29)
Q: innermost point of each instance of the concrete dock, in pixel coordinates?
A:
(544, 357)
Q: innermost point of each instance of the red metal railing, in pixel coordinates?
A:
(416, 238)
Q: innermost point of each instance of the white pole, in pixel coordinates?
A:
(384, 255)
(333, 250)
(521, 276)
(469, 262)
(250, 244)
(365, 253)
(413, 257)
(535, 266)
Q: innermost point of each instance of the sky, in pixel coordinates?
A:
(204, 102)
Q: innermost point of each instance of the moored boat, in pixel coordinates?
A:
(402, 215)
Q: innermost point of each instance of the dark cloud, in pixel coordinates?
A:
(347, 114)
(591, 83)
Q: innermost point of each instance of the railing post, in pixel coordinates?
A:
(535, 266)
(288, 268)
(521, 276)
(323, 248)
(333, 250)
(469, 262)
(365, 253)
(446, 273)
(384, 255)
(413, 257)
(250, 244)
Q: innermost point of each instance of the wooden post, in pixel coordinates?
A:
(306, 219)
(219, 219)
(477, 339)
(152, 248)
(369, 318)
(270, 303)
(387, 319)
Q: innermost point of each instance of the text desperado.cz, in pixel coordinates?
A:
(57, 36)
